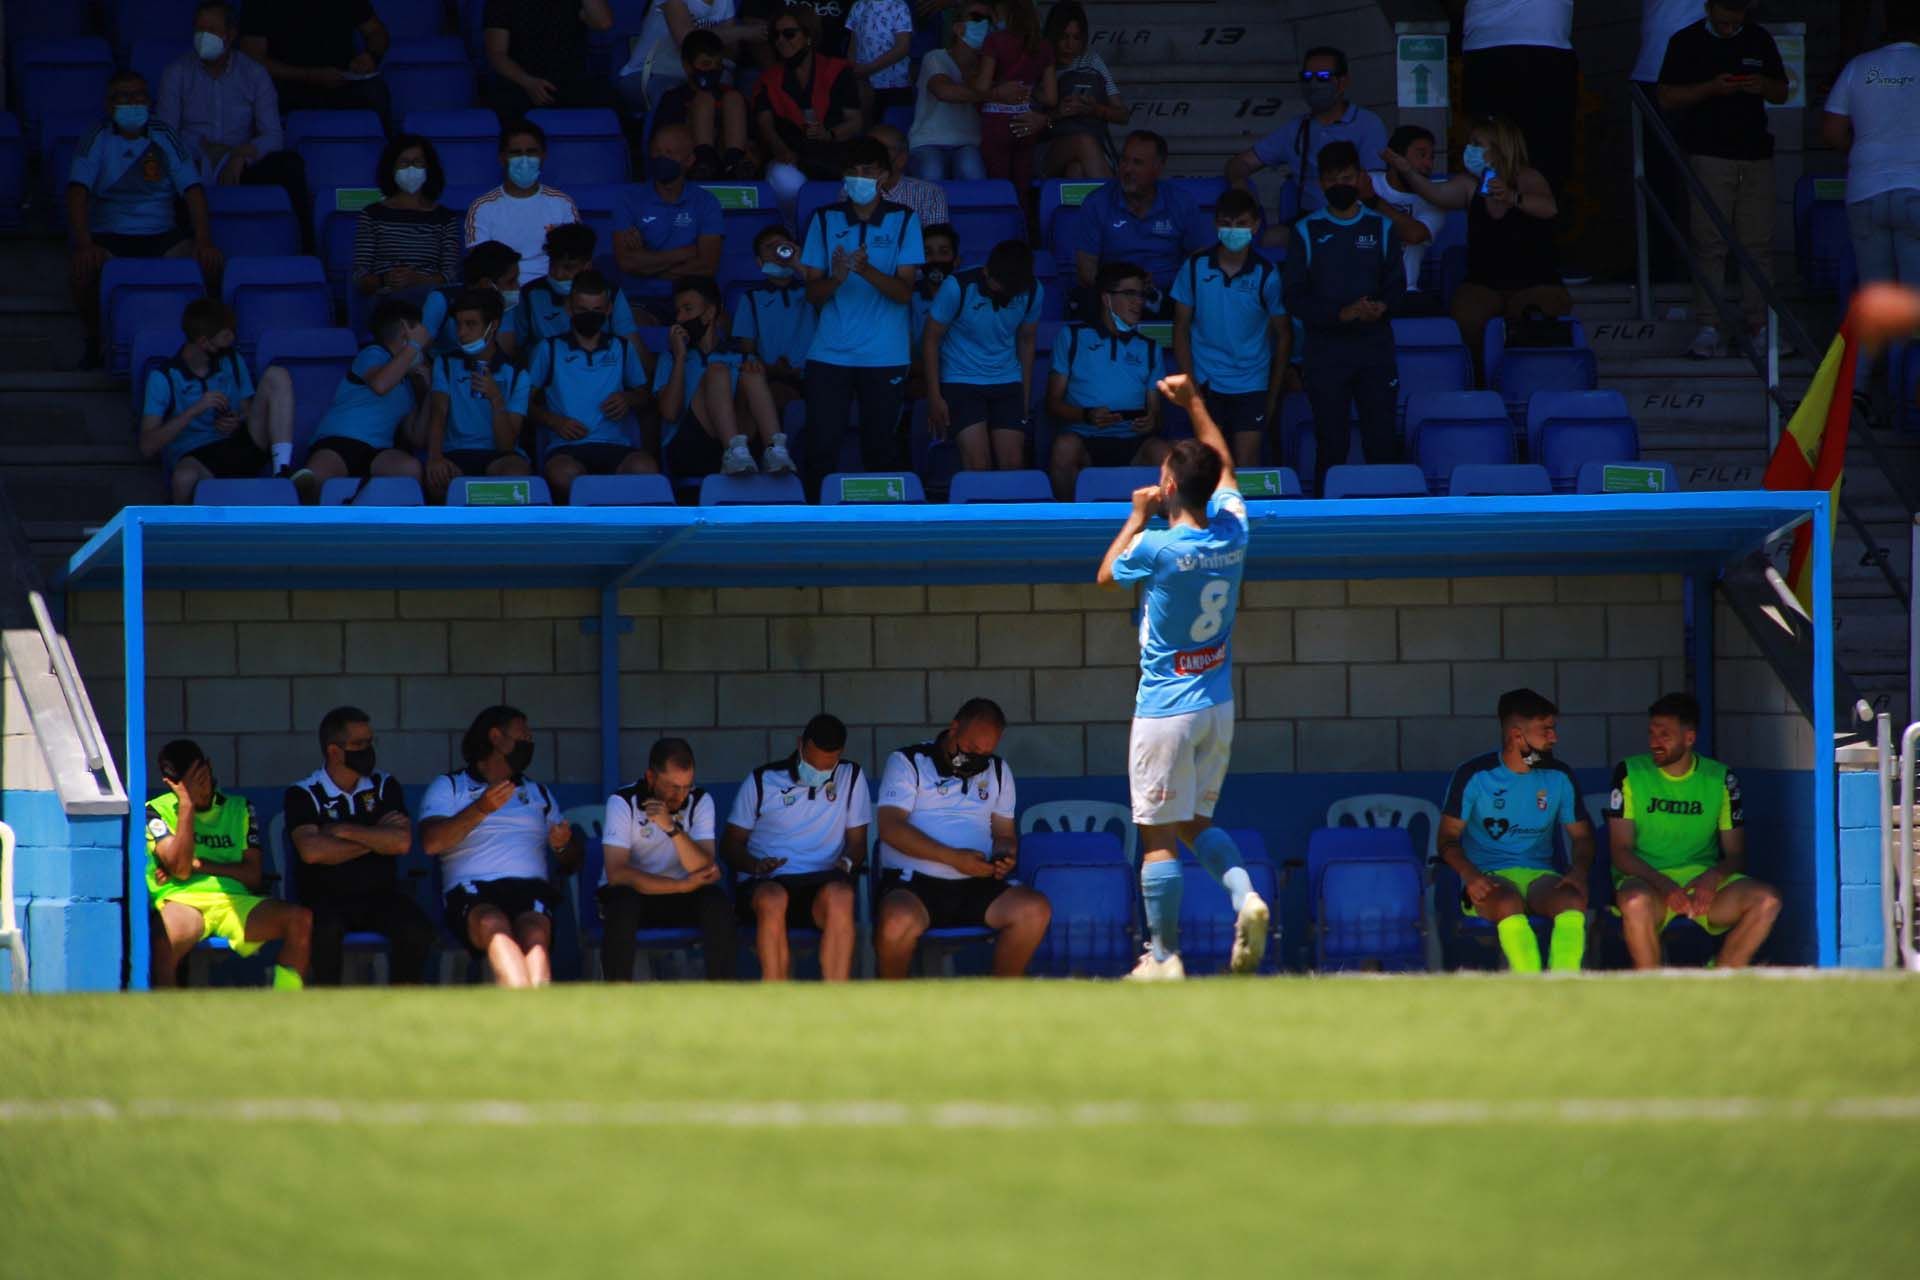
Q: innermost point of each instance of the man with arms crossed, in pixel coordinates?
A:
(1183, 715)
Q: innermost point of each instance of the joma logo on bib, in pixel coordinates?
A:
(1684, 808)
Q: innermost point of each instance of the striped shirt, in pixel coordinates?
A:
(425, 239)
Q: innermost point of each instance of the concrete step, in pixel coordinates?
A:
(44, 417)
(89, 494)
(1171, 43)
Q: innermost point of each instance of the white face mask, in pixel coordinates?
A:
(208, 46)
(410, 178)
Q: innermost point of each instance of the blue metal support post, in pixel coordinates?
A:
(1699, 591)
(609, 689)
(1826, 852)
(133, 618)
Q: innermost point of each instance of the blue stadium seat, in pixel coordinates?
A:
(134, 20)
(246, 493)
(1495, 344)
(377, 491)
(58, 139)
(1044, 335)
(411, 19)
(984, 213)
(1426, 333)
(621, 491)
(587, 886)
(1513, 479)
(1299, 448)
(538, 495)
(1086, 877)
(813, 195)
(1432, 369)
(150, 56)
(1206, 912)
(28, 20)
(13, 171)
(585, 146)
(428, 73)
(468, 142)
(316, 360)
(253, 222)
(143, 293)
(152, 348)
(597, 204)
(1426, 407)
(333, 241)
(1524, 374)
(60, 76)
(871, 488)
(1269, 482)
(1568, 406)
(339, 148)
(275, 293)
(745, 209)
(1112, 484)
(1453, 271)
(751, 490)
(1593, 477)
(1383, 480)
(1823, 244)
(1000, 486)
(1449, 428)
(1566, 429)
(900, 118)
(1366, 897)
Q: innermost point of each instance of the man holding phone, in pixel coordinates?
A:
(660, 871)
(1714, 83)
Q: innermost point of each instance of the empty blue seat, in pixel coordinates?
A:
(253, 222)
(1268, 482)
(58, 139)
(499, 491)
(1566, 447)
(746, 208)
(813, 196)
(1415, 332)
(315, 360)
(411, 19)
(377, 491)
(1526, 373)
(1366, 897)
(1621, 475)
(871, 488)
(1206, 911)
(61, 75)
(1569, 406)
(585, 146)
(1060, 201)
(150, 55)
(1494, 344)
(275, 293)
(1432, 369)
(1112, 484)
(245, 493)
(339, 148)
(428, 73)
(467, 141)
(597, 204)
(152, 348)
(1445, 442)
(1424, 407)
(751, 490)
(1512, 479)
(984, 213)
(1000, 486)
(621, 491)
(13, 170)
(1087, 879)
(1385, 480)
(143, 293)
(131, 21)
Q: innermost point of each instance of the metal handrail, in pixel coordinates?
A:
(60, 659)
(1902, 921)
(1883, 757)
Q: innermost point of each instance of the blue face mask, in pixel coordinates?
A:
(1119, 325)
(476, 347)
(561, 287)
(1474, 158)
(861, 190)
(523, 171)
(131, 116)
(509, 298)
(975, 34)
(776, 271)
(808, 776)
(1234, 239)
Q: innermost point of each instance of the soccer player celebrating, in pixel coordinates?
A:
(1497, 833)
(1678, 842)
(1183, 714)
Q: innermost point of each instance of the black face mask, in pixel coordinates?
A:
(696, 330)
(519, 756)
(931, 278)
(1534, 757)
(361, 761)
(1342, 195)
(588, 324)
(708, 80)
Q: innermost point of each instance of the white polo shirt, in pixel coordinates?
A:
(650, 849)
(509, 844)
(942, 806)
(1879, 91)
(805, 825)
(1491, 24)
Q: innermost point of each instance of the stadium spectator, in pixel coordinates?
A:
(488, 265)
(879, 32)
(1345, 280)
(1870, 116)
(1100, 388)
(830, 16)
(713, 111)
(348, 825)
(1015, 73)
(121, 192)
(586, 386)
(1499, 840)
(948, 845)
(696, 386)
(518, 212)
(493, 828)
(203, 415)
(1329, 118)
(945, 139)
(1715, 76)
(666, 228)
(1659, 19)
(1418, 220)
(941, 244)
(775, 320)
(542, 312)
(407, 242)
(858, 258)
(805, 109)
(660, 870)
(223, 106)
(1512, 267)
(537, 52)
(1230, 328)
(478, 403)
(798, 833)
(205, 875)
(978, 359)
(1520, 65)
(1679, 844)
(312, 53)
(385, 389)
(1140, 219)
(928, 200)
(1079, 137)
(657, 64)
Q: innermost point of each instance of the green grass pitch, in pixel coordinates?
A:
(1295, 1127)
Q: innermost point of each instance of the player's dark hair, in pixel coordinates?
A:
(942, 231)
(1405, 136)
(805, 17)
(1114, 274)
(477, 743)
(120, 79)
(488, 260)
(333, 725)
(519, 128)
(485, 301)
(1236, 203)
(571, 242)
(867, 151)
(1524, 704)
(706, 286)
(205, 317)
(208, 6)
(974, 710)
(179, 756)
(592, 284)
(1011, 264)
(1336, 156)
(670, 753)
(701, 43)
(1148, 135)
(825, 732)
(1683, 707)
(1196, 473)
(774, 232)
(1062, 16)
(392, 318)
(1339, 57)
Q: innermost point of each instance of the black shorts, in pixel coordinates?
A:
(801, 891)
(153, 246)
(474, 462)
(514, 897)
(691, 452)
(1111, 451)
(236, 457)
(596, 459)
(356, 455)
(1237, 412)
(1001, 406)
(950, 904)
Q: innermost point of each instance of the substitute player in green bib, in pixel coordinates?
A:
(204, 875)
(1678, 843)
(1496, 832)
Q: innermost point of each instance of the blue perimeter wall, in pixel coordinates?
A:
(69, 885)
(1862, 928)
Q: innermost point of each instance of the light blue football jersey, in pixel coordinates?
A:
(1186, 624)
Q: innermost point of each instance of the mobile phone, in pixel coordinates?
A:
(1488, 177)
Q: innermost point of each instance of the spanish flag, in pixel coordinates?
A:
(1813, 451)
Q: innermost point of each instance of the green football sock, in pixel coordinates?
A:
(1517, 940)
(1567, 946)
(285, 979)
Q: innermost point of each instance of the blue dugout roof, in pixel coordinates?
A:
(253, 547)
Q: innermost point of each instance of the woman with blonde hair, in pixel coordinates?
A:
(1512, 266)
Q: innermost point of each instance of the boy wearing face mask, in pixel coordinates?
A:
(203, 414)
(696, 385)
(775, 321)
(713, 111)
(519, 211)
(666, 228)
(586, 386)
(1345, 278)
(542, 312)
(1496, 833)
(1230, 330)
(942, 245)
(384, 392)
(978, 356)
(489, 265)
(478, 403)
(1329, 118)
(1101, 390)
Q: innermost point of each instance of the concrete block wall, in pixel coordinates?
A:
(1862, 926)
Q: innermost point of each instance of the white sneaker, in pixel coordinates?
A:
(1706, 343)
(1151, 970)
(738, 460)
(1250, 934)
(776, 459)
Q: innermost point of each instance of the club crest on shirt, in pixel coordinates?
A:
(366, 800)
(1540, 799)
(944, 785)
(983, 791)
(151, 170)
(789, 798)
(1368, 241)
(683, 219)
(833, 792)
(1163, 227)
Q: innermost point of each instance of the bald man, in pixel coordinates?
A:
(666, 228)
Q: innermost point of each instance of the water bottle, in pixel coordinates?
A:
(480, 369)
